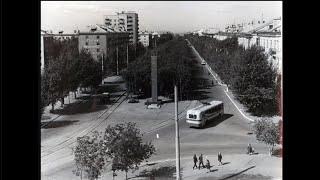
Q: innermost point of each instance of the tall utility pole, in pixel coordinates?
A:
(117, 61)
(102, 69)
(127, 56)
(177, 133)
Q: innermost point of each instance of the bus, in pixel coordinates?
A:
(198, 116)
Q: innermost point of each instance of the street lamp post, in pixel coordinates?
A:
(177, 133)
(102, 69)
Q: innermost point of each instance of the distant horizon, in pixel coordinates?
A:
(174, 16)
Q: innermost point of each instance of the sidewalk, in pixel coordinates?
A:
(234, 165)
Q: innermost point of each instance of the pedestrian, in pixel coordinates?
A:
(250, 150)
(208, 164)
(201, 161)
(195, 160)
(220, 158)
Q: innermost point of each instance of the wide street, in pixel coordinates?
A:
(228, 135)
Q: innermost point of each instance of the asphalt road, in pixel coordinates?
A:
(228, 135)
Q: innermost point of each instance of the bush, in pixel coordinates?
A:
(267, 132)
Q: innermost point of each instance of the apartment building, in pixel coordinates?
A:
(145, 38)
(124, 21)
(99, 39)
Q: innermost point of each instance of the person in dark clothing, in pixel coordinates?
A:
(220, 158)
(201, 161)
(195, 160)
(208, 165)
(250, 149)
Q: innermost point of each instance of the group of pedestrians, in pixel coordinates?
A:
(200, 160)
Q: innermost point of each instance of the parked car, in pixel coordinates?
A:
(133, 100)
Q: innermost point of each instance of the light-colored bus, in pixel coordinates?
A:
(198, 116)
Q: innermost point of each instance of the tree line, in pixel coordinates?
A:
(65, 70)
(174, 67)
(246, 71)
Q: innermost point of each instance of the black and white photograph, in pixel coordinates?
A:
(157, 90)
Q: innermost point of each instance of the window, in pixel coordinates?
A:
(87, 37)
(98, 43)
(192, 116)
(87, 43)
(98, 37)
(98, 50)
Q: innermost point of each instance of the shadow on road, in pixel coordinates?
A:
(215, 121)
(57, 124)
(236, 174)
(164, 172)
(85, 106)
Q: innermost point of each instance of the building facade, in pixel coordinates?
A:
(264, 34)
(99, 40)
(145, 38)
(124, 21)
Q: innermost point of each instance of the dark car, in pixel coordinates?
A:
(133, 100)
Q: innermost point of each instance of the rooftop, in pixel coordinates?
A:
(204, 107)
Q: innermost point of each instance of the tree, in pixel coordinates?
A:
(90, 156)
(90, 70)
(248, 72)
(267, 132)
(126, 147)
(53, 78)
(44, 99)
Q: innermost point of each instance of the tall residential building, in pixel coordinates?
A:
(124, 21)
(145, 38)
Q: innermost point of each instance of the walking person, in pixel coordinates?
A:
(195, 160)
(250, 150)
(220, 158)
(208, 165)
(201, 161)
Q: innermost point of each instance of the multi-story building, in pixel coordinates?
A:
(49, 42)
(264, 34)
(145, 38)
(124, 21)
(99, 40)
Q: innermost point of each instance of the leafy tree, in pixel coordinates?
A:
(44, 99)
(126, 147)
(89, 155)
(247, 72)
(174, 67)
(90, 70)
(268, 132)
(53, 78)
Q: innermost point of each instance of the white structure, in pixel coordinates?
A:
(155, 34)
(124, 21)
(144, 38)
(42, 50)
(264, 34)
(198, 116)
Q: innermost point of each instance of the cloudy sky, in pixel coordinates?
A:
(175, 16)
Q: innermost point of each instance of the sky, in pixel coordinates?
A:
(174, 16)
